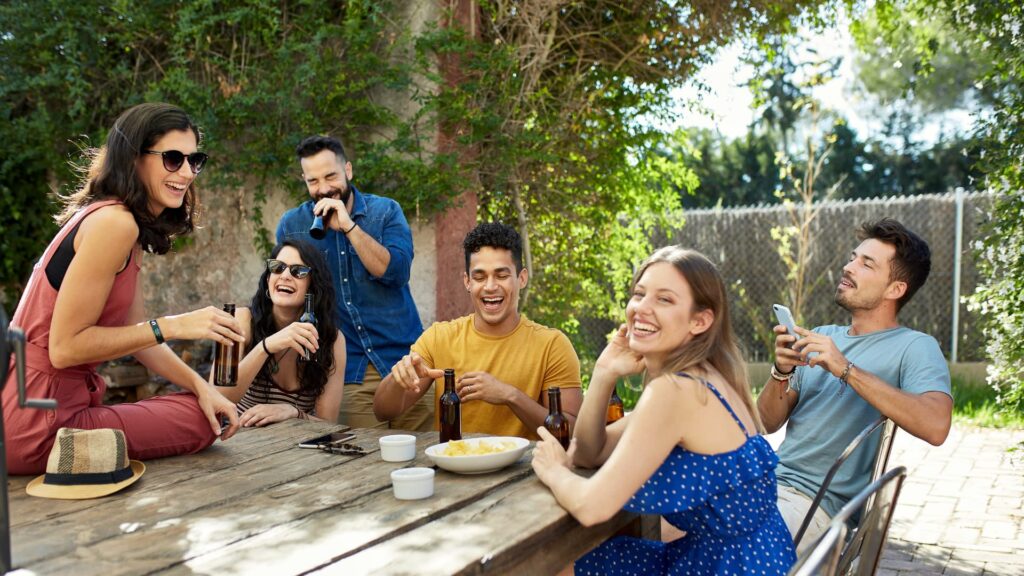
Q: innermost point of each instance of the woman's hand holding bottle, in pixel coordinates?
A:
(210, 323)
(299, 336)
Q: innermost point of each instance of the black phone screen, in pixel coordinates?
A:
(326, 439)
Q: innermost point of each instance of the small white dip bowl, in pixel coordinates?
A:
(398, 448)
(413, 483)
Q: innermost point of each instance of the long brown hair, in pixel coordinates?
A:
(717, 345)
(112, 174)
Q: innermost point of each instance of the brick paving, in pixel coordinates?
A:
(961, 510)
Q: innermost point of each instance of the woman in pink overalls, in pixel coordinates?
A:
(83, 304)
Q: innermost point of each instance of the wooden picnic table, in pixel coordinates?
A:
(258, 504)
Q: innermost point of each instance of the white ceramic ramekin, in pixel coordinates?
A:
(398, 448)
(413, 483)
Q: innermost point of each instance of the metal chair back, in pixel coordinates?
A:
(881, 461)
(823, 558)
(878, 500)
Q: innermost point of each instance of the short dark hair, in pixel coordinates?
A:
(913, 260)
(313, 145)
(494, 235)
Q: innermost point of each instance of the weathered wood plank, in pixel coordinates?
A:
(548, 537)
(247, 445)
(318, 539)
(170, 498)
(196, 517)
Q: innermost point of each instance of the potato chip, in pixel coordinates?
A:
(476, 448)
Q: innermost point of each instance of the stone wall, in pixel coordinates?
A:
(222, 264)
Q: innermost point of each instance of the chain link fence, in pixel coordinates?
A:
(739, 241)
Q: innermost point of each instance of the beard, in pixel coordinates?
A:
(850, 302)
(343, 193)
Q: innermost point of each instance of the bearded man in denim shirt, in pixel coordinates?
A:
(368, 246)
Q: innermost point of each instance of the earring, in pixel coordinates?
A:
(268, 293)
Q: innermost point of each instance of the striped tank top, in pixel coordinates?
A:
(264, 391)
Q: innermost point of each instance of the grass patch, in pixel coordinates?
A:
(976, 405)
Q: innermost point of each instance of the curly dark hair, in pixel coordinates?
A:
(494, 235)
(313, 145)
(314, 374)
(913, 260)
(112, 174)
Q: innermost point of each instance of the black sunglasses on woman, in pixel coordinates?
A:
(173, 159)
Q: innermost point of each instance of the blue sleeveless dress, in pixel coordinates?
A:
(726, 504)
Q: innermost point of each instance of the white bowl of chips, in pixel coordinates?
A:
(478, 455)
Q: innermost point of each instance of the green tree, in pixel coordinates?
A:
(992, 31)
(256, 74)
(556, 103)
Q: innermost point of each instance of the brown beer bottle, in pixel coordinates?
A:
(615, 408)
(450, 409)
(309, 317)
(556, 422)
(226, 359)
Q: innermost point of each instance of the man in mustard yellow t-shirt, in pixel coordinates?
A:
(503, 362)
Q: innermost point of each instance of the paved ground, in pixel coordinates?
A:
(961, 510)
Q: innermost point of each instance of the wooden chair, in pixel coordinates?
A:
(864, 547)
(823, 558)
(881, 461)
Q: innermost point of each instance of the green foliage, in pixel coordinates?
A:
(257, 75)
(912, 58)
(745, 171)
(994, 29)
(978, 405)
(555, 103)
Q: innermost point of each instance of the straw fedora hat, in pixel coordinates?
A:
(86, 464)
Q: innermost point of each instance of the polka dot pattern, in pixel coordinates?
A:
(726, 504)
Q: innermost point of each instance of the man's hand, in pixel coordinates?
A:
(411, 370)
(483, 386)
(786, 359)
(828, 355)
(334, 213)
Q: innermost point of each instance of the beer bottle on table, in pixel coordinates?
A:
(556, 422)
(225, 359)
(310, 318)
(615, 408)
(450, 409)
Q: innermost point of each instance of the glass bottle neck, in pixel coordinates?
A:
(554, 404)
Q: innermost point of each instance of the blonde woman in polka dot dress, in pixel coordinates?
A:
(690, 451)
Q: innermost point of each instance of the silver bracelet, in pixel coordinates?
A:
(846, 373)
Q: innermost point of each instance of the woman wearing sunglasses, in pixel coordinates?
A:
(274, 382)
(83, 304)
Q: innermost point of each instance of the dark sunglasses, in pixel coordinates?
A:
(173, 159)
(297, 270)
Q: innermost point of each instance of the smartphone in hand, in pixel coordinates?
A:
(785, 318)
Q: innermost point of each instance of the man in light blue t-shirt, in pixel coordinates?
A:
(834, 381)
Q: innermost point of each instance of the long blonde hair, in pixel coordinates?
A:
(717, 345)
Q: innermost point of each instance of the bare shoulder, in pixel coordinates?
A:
(114, 222)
